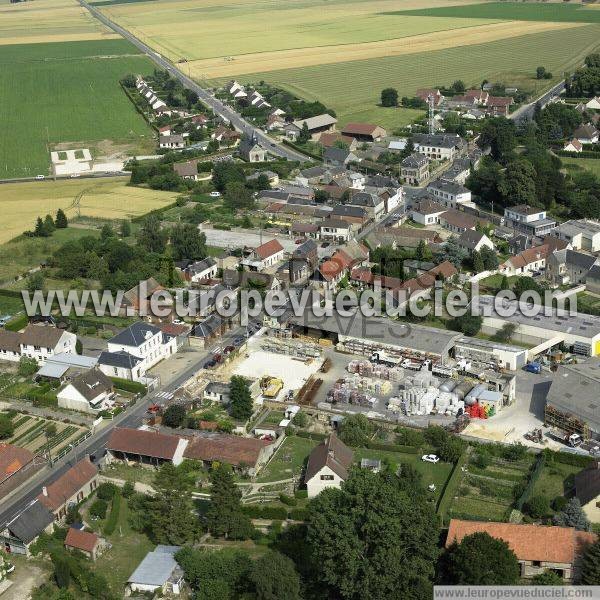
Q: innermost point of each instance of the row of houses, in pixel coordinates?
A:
(474, 99)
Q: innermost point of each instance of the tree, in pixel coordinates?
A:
(423, 252)
(62, 571)
(304, 135)
(61, 221)
(151, 236)
(538, 507)
(453, 252)
(458, 87)
(225, 172)
(128, 489)
(106, 232)
(237, 195)
(242, 404)
(171, 509)
(504, 283)
(540, 72)
(35, 282)
(49, 225)
(187, 241)
(590, 565)
(478, 265)
(40, 229)
(356, 430)
(274, 576)
(573, 516)
(500, 135)
(489, 258)
(7, 427)
(125, 229)
(389, 97)
(479, 559)
(174, 416)
(224, 517)
(505, 334)
(467, 324)
(451, 449)
(98, 509)
(518, 185)
(382, 532)
(547, 578)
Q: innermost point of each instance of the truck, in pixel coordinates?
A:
(382, 358)
(533, 367)
(407, 363)
(570, 439)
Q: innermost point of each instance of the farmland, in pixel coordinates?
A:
(110, 198)
(66, 92)
(576, 165)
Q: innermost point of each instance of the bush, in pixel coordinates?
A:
(265, 512)
(174, 416)
(559, 503)
(106, 491)
(298, 514)
(113, 518)
(27, 366)
(538, 507)
(482, 459)
(128, 489)
(410, 437)
(128, 386)
(301, 494)
(289, 500)
(98, 509)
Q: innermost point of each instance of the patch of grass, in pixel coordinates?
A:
(133, 474)
(575, 165)
(513, 11)
(288, 460)
(66, 92)
(556, 479)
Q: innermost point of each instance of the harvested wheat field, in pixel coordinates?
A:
(305, 57)
(49, 21)
(107, 198)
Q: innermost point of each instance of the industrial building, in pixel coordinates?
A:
(580, 333)
(490, 354)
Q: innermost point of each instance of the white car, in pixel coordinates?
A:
(40, 177)
(215, 194)
(430, 458)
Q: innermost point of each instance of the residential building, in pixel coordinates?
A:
(145, 447)
(586, 134)
(334, 230)
(473, 241)
(457, 221)
(425, 93)
(225, 136)
(355, 215)
(70, 488)
(529, 261)
(158, 572)
(499, 106)
(217, 391)
(414, 169)
(337, 157)
(316, 125)
(427, 212)
(373, 204)
(201, 270)
(264, 256)
(242, 453)
(13, 460)
(137, 299)
(582, 234)
(171, 142)
(187, 170)
(569, 267)
(529, 220)
(89, 392)
(438, 146)
(594, 103)
(449, 193)
(86, 542)
(39, 342)
(328, 465)
(145, 341)
(587, 490)
(308, 251)
(537, 547)
(24, 529)
(573, 145)
(364, 132)
(123, 365)
(329, 139)
(65, 366)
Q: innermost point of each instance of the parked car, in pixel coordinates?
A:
(74, 175)
(325, 244)
(209, 364)
(215, 194)
(238, 341)
(533, 367)
(229, 349)
(40, 177)
(430, 458)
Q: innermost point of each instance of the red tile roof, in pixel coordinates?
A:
(529, 256)
(362, 274)
(82, 540)
(446, 269)
(144, 443)
(174, 330)
(231, 449)
(330, 269)
(268, 249)
(528, 542)
(12, 459)
(499, 101)
(343, 259)
(360, 128)
(328, 139)
(68, 484)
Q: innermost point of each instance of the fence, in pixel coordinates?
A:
(71, 446)
(451, 486)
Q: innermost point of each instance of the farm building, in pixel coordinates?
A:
(316, 126)
(144, 446)
(328, 465)
(537, 547)
(158, 572)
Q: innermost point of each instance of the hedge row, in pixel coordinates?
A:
(394, 448)
(113, 518)
(536, 471)
(302, 150)
(157, 211)
(276, 513)
(128, 386)
(452, 483)
(319, 437)
(583, 154)
(569, 458)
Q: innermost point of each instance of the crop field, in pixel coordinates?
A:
(65, 92)
(48, 21)
(110, 198)
(517, 11)
(352, 88)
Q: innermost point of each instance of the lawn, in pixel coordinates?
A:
(288, 461)
(109, 198)
(556, 479)
(514, 11)
(588, 303)
(134, 474)
(68, 93)
(575, 165)
(128, 549)
(353, 88)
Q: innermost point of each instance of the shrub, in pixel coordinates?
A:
(537, 507)
(106, 491)
(559, 503)
(301, 494)
(298, 514)
(128, 489)
(482, 459)
(128, 386)
(113, 518)
(98, 509)
(289, 500)
(410, 437)
(265, 512)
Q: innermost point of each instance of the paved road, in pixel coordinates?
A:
(216, 105)
(56, 177)
(525, 113)
(133, 417)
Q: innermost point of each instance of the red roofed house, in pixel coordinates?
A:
(265, 256)
(364, 132)
(499, 106)
(12, 460)
(424, 94)
(145, 447)
(537, 547)
(71, 488)
(84, 541)
(240, 452)
(528, 261)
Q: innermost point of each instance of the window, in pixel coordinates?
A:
(326, 477)
(536, 563)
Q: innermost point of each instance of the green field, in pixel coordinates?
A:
(575, 165)
(513, 11)
(65, 92)
(353, 88)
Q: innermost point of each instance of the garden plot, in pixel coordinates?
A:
(29, 434)
(488, 494)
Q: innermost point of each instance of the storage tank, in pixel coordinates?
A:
(463, 388)
(472, 396)
(448, 385)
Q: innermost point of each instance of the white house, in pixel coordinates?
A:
(334, 230)
(473, 241)
(37, 341)
(328, 466)
(144, 341)
(526, 262)
(427, 212)
(264, 256)
(573, 145)
(594, 103)
(529, 219)
(158, 571)
(90, 392)
(122, 365)
(201, 270)
(586, 134)
(438, 146)
(449, 193)
(171, 141)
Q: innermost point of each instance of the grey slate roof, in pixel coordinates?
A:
(470, 238)
(337, 155)
(450, 187)
(119, 359)
(364, 199)
(438, 140)
(201, 265)
(92, 383)
(28, 524)
(157, 566)
(415, 161)
(306, 248)
(135, 335)
(345, 210)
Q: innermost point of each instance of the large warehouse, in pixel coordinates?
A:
(580, 333)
